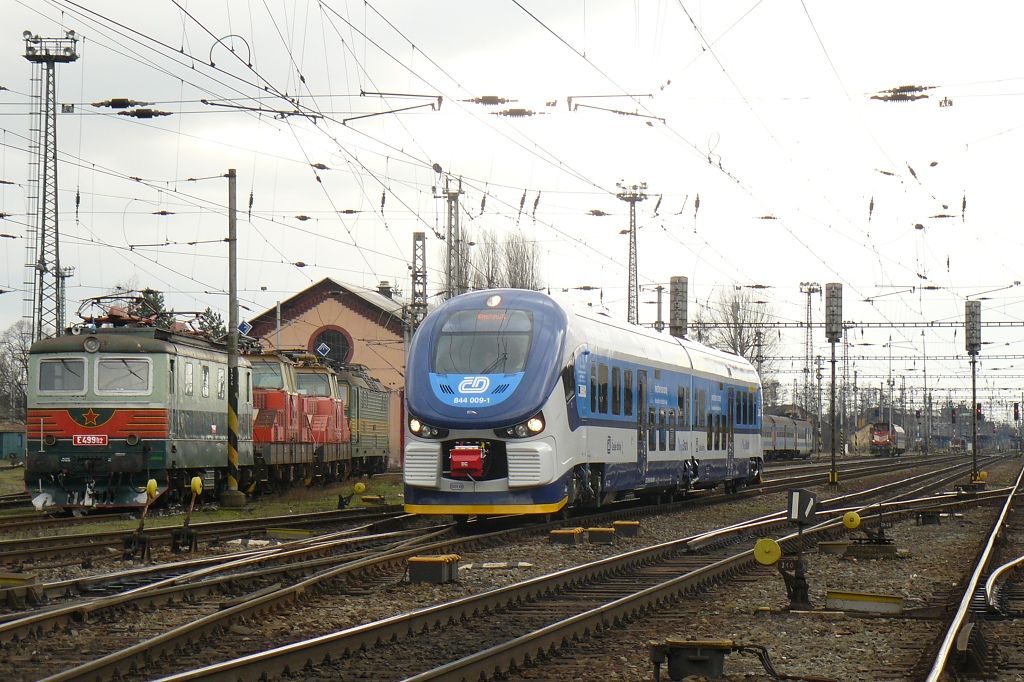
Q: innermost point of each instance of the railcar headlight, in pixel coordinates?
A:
(530, 427)
(132, 439)
(418, 428)
(50, 439)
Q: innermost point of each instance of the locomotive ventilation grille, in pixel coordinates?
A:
(421, 467)
(523, 468)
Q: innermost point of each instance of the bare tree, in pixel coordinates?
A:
(14, 346)
(487, 263)
(736, 322)
(522, 262)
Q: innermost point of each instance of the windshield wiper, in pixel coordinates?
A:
(500, 360)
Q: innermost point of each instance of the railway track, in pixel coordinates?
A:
(15, 500)
(385, 568)
(23, 551)
(982, 636)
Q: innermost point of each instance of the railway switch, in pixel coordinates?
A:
(707, 658)
(185, 537)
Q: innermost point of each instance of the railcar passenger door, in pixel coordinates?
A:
(730, 433)
(641, 424)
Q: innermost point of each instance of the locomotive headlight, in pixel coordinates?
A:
(132, 439)
(520, 430)
(415, 425)
(535, 424)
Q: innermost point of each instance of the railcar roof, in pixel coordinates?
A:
(661, 347)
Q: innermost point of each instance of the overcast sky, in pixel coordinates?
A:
(762, 109)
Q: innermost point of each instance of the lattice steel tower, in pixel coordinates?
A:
(809, 288)
(42, 246)
(632, 194)
(418, 304)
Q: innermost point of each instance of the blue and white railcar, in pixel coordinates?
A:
(518, 404)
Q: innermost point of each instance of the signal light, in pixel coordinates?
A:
(1016, 412)
(952, 415)
(977, 412)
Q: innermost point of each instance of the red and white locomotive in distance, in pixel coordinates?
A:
(888, 439)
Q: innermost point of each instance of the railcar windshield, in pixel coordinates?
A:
(267, 375)
(314, 384)
(492, 341)
(64, 374)
(122, 375)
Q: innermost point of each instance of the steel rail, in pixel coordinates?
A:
(991, 585)
(960, 618)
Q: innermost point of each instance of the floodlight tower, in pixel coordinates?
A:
(809, 288)
(43, 238)
(632, 194)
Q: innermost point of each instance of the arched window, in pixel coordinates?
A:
(337, 341)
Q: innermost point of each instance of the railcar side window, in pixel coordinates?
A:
(671, 429)
(662, 429)
(593, 388)
(188, 378)
(602, 379)
(122, 375)
(702, 414)
(62, 375)
(628, 411)
(206, 381)
(248, 386)
(616, 390)
(710, 433)
(652, 430)
(221, 384)
(171, 379)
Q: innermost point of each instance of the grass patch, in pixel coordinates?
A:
(12, 481)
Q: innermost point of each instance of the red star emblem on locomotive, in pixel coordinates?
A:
(90, 417)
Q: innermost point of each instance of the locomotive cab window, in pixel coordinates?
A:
(123, 375)
(64, 375)
(313, 384)
(484, 342)
(267, 375)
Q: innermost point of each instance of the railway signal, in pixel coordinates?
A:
(1016, 412)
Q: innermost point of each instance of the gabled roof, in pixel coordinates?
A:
(385, 311)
